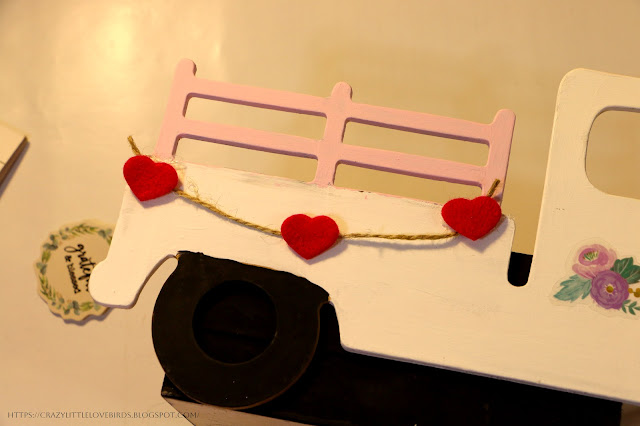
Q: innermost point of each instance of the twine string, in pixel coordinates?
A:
(134, 147)
(226, 215)
(493, 188)
(271, 231)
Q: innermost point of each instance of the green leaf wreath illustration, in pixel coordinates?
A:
(46, 290)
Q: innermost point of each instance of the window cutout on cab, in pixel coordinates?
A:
(613, 153)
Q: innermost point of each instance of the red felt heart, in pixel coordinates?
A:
(472, 218)
(148, 179)
(309, 237)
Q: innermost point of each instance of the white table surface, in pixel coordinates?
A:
(79, 76)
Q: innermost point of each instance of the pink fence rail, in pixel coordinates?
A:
(330, 151)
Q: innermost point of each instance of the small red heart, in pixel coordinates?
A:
(472, 218)
(309, 237)
(148, 179)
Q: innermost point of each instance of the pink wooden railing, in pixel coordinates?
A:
(338, 109)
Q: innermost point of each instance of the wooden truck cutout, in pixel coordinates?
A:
(443, 303)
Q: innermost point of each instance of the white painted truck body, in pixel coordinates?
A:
(440, 303)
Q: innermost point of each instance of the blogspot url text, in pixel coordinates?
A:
(100, 415)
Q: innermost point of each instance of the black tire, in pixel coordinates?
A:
(248, 383)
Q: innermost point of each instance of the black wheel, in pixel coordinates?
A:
(235, 335)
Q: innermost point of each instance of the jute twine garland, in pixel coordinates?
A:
(276, 232)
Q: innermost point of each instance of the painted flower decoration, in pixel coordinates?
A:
(593, 259)
(609, 289)
(604, 277)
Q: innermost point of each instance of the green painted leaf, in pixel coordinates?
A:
(621, 264)
(627, 270)
(633, 304)
(623, 308)
(632, 312)
(587, 290)
(574, 288)
(631, 274)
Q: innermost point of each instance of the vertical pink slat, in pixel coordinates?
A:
(499, 151)
(329, 148)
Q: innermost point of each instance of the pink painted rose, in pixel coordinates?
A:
(594, 259)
